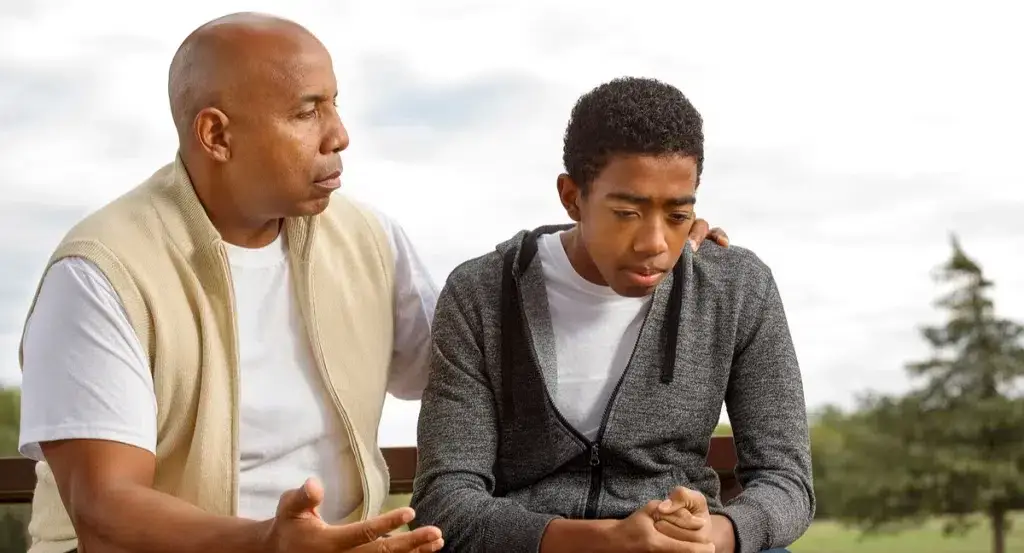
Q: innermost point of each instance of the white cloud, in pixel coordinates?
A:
(844, 141)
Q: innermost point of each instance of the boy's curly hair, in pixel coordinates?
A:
(630, 115)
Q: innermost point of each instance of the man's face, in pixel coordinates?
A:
(634, 220)
(287, 135)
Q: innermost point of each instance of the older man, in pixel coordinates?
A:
(227, 331)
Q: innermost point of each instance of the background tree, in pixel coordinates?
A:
(12, 518)
(10, 417)
(953, 446)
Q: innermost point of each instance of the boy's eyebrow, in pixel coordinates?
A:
(646, 200)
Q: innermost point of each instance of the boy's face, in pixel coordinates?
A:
(633, 221)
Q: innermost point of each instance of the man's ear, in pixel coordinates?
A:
(570, 195)
(212, 135)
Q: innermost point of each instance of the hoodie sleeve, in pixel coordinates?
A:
(458, 440)
(765, 402)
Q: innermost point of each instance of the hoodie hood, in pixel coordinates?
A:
(517, 254)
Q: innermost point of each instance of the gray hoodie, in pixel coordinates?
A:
(497, 462)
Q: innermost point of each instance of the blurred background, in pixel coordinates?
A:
(857, 147)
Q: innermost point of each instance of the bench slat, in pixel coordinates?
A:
(18, 477)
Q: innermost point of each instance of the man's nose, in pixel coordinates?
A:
(335, 136)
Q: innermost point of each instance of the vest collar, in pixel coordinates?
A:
(189, 226)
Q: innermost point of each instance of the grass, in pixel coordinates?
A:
(830, 537)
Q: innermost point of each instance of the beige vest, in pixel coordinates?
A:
(168, 264)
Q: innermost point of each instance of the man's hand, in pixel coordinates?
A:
(699, 231)
(684, 516)
(299, 528)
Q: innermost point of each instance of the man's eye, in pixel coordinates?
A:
(680, 217)
(624, 214)
(308, 114)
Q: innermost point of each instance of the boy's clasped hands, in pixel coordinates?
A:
(681, 523)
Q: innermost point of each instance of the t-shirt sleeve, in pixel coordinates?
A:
(84, 372)
(415, 300)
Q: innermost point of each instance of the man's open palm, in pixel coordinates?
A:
(299, 528)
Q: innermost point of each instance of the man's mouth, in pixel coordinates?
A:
(330, 181)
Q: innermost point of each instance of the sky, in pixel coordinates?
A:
(845, 141)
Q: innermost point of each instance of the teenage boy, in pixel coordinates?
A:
(578, 371)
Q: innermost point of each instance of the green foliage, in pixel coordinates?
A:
(10, 417)
(13, 518)
(954, 445)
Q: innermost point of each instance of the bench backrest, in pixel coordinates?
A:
(18, 477)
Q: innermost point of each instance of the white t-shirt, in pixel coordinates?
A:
(87, 377)
(595, 333)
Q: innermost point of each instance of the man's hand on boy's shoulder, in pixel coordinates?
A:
(701, 230)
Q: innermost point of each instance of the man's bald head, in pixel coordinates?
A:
(254, 101)
(227, 60)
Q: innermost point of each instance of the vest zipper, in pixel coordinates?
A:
(235, 392)
(593, 446)
(314, 332)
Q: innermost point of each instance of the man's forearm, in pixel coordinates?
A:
(140, 519)
(575, 536)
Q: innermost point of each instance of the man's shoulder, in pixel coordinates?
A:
(128, 218)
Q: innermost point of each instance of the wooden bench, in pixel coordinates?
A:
(18, 477)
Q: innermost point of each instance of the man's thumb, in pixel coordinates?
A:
(303, 499)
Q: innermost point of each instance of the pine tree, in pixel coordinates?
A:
(954, 446)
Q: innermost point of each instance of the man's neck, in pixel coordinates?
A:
(236, 228)
(250, 237)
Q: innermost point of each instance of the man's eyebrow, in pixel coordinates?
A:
(646, 200)
(315, 98)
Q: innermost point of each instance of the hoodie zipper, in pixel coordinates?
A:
(595, 452)
(596, 477)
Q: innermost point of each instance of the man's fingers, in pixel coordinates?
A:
(420, 540)
(349, 536)
(698, 232)
(718, 235)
